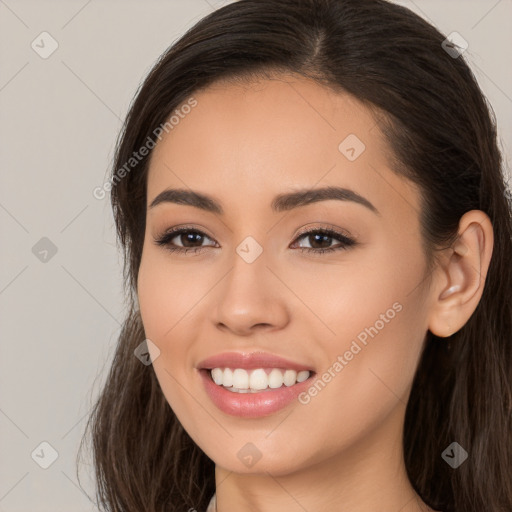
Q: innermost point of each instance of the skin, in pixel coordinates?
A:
(243, 145)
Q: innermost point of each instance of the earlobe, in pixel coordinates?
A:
(462, 277)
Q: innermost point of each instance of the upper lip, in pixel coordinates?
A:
(250, 361)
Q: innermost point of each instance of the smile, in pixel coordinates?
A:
(256, 380)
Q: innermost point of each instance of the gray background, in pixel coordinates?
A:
(61, 313)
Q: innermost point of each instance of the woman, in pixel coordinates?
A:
(317, 239)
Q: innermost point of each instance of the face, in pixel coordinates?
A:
(332, 285)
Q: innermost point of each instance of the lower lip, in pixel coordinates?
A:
(252, 405)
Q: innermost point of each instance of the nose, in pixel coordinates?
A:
(251, 298)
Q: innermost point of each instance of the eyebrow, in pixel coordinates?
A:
(281, 203)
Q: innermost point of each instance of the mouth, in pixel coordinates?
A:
(254, 385)
(256, 380)
(254, 372)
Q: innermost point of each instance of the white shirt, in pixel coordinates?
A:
(212, 506)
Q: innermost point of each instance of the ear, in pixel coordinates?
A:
(461, 277)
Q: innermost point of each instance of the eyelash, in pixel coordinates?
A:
(165, 239)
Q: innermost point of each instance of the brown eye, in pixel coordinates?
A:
(321, 239)
(190, 240)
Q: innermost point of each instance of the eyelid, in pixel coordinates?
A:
(176, 230)
(323, 227)
(305, 229)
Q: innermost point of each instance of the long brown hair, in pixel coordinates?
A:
(443, 137)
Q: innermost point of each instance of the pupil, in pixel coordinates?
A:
(190, 237)
(325, 237)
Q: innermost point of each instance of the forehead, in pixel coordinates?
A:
(246, 143)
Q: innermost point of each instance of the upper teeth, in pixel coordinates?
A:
(257, 379)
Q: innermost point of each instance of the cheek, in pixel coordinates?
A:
(167, 292)
(379, 320)
(154, 300)
(172, 297)
(165, 296)
(370, 309)
(370, 365)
